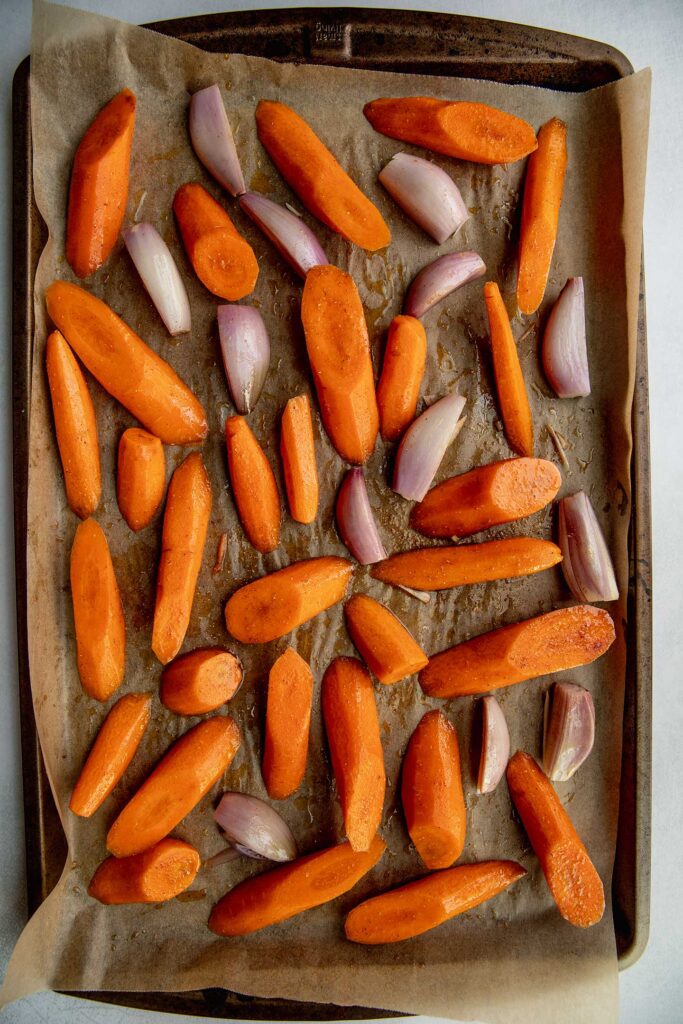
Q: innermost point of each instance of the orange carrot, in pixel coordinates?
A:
(288, 719)
(383, 642)
(253, 485)
(125, 366)
(200, 681)
(319, 181)
(297, 448)
(141, 477)
(512, 654)
(98, 615)
(76, 427)
(186, 520)
(512, 394)
(399, 386)
(572, 879)
(98, 191)
(153, 876)
(222, 259)
(541, 213)
(339, 352)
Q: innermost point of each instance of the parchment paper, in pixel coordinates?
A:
(513, 959)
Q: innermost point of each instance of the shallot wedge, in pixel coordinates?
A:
(254, 828)
(565, 359)
(568, 730)
(212, 139)
(440, 278)
(586, 561)
(245, 348)
(426, 193)
(424, 445)
(355, 519)
(160, 276)
(289, 234)
(495, 746)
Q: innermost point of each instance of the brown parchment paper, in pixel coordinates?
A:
(513, 959)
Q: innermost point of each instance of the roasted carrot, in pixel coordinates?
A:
(513, 399)
(98, 191)
(402, 370)
(76, 427)
(339, 352)
(253, 485)
(297, 448)
(541, 213)
(319, 181)
(125, 366)
(572, 879)
(153, 876)
(186, 520)
(141, 477)
(184, 775)
(200, 681)
(98, 615)
(288, 719)
(512, 654)
(385, 645)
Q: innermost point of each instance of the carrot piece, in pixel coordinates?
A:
(152, 876)
(297, 448)
(288, 719)
(186, 520)
(274, 605)
(76, 427)
(541, 213)
(417, 907)
(141, 477)
(402, 370)
(98, 615)
(111, 753)
(182, 777)
(512, 394)
(339, 352)
(200, 681)
(222, 259)
(467, 131)
(320, 182)
(125, 366)
(501, 492)
(253, 485)
(512, 654)
(383, 642)
(98, 190)
(572, 879)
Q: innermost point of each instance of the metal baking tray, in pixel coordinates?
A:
(385, 40)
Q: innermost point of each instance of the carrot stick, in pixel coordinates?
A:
(76, 427)
(339, 352)
(98, 615)
(512, 654)
(572, 879)
(186, 520)
(222, 259)
(402, 370)
(111, 753)
(200, 681)
(541, 213)
(141, 477)
(98, 191)
(383, 642)
(319, 181)
(297, 448)
(288, 719)
(512, 395)
(125, 366)
(253, 485)
(153, 876)
(184, 775)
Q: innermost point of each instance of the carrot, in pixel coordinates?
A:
(501, 492)
(417, 907)
(402, 370)
(288, 719)
(141, 477)
(541, 213)
(98, 615)
(222, 259)
(512, 654)
(200, 681)
(512, 394)
(297, 448)
(76, 427)
(125, 366)
(153, 876)
(183, 776)
(98, 190)
(253, 485)
(186, 520)
(383, 642)
(572, 879)
(319, 181)
(274, 605)
(339, 352)
(467, 131)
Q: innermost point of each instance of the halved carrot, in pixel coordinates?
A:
(153, 876)
(385, 645)
(98, 615)
(186, 521)
(339, 352)
(274, 605)
(200, 681)
(571, 876)
(98, 190)
(513, 399)
(253, 485)
(288, 719)
(487, 496)
(297, 448)
(141, 477)
(512, 654)
(76, 427)
(320, 182)
(125, 366)
(222, 259)
(402, 370)
(543, 190)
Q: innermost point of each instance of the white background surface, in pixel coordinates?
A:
(649, 33)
